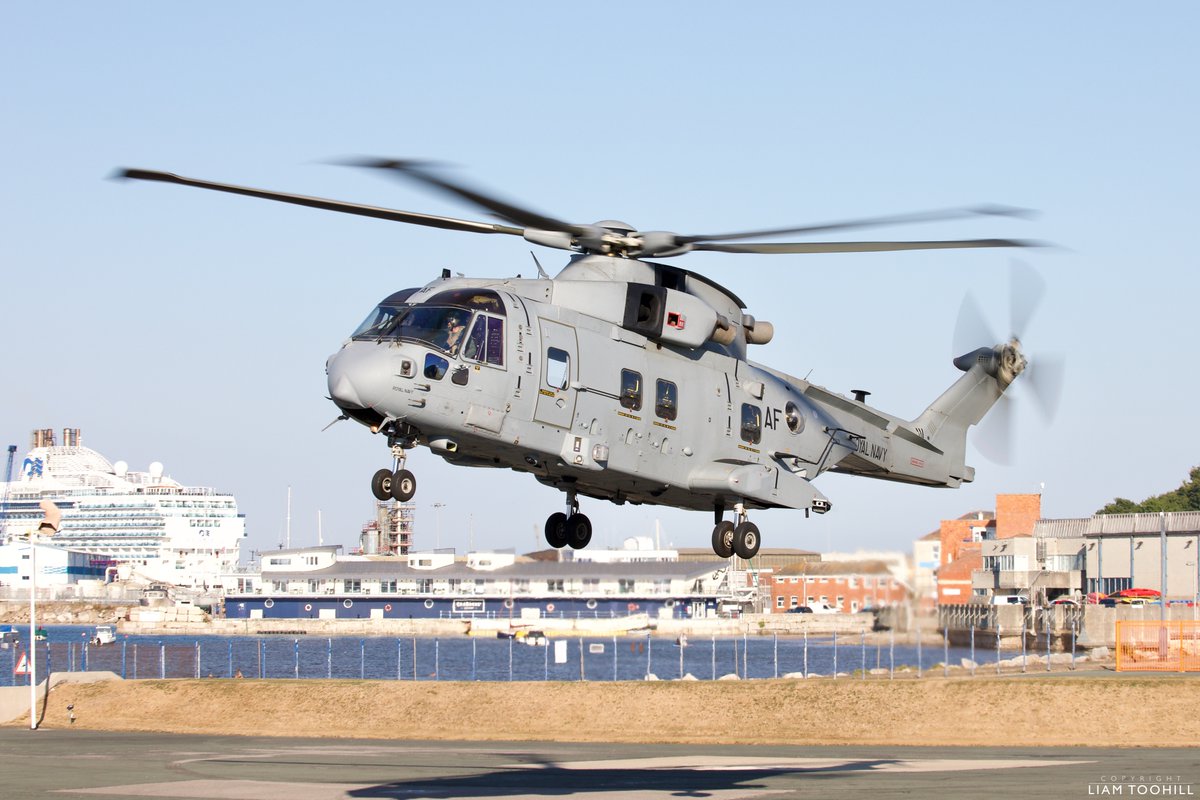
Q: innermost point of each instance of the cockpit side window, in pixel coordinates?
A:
(440, 328)
(486, 341)
(666, 403)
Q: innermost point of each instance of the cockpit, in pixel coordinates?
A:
(458, 322)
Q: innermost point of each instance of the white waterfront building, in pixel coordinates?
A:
(143, 526)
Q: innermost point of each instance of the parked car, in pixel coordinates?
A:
(799, 610)
(1009, 599)
(1064, 601)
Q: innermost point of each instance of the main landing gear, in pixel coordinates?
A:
(396, 483)
(741, 538)
(571, 528)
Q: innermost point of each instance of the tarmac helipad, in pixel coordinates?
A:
(66, 763)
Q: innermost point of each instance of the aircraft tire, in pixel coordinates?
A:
(381, 484)
(746, 540)
(404, 485)
(556, 530)
(579, 531)
(722, 539)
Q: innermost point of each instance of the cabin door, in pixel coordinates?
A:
(560, 369)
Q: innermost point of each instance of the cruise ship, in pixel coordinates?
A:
(140, 525)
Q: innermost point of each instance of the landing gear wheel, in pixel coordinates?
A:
(579, 531)
(722, 539)
(381, 484)
(556, 530)
(404, 485)
(746, 540)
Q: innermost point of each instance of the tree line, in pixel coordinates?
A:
(1185, 498)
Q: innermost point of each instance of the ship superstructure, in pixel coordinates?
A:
(142, 524)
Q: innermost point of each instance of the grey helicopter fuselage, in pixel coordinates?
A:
(627, 381)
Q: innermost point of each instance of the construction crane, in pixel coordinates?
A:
(12, 453)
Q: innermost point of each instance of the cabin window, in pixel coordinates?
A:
(435, 367)
(558, 368)
(486, 342)
(795, 420)
(631, 389)
(666, 399)
(751, 423)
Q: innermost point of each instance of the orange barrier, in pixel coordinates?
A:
(1156, 646)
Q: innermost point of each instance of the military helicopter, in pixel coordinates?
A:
(625, 379)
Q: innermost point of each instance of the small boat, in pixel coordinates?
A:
(105, 634)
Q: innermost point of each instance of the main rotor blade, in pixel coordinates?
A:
(505, 210)
(858, 247)
(867, 222)
(428, 220)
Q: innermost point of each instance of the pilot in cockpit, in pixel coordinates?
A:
(453, 333)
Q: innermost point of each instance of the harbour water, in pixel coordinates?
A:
(598, 658)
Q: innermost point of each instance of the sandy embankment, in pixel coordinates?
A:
(1087, 709)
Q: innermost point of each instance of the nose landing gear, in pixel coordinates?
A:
(396, 483)
(571, 528)
(741, 538)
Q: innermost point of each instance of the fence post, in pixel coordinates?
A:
(892, 655)
(124, 647)
(863, 641)
(473, 658)
(918, 651)
(197, 658)
(835, 655)
(806, 651)
(972, 650)
(1073, 624)
(775, 642)
(945, 652)
(162, 660)
(714, 658)
(296, 658)
(997, 648)
(1024, 664)
(437, 660)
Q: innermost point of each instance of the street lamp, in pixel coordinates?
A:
(51, 519)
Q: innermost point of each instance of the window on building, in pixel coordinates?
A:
(555, 585)
(779, 601)
(751, 423)
(666, 399)
(625, 585)
(352, 586)
(631, 389)
(313, 585)
(795, 601)
(387, 587)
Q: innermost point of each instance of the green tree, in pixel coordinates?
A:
(1185, 498)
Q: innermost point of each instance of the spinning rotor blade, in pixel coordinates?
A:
(858, 247)
(428, 220)
(1045, 376)
(995, 434)
(1026, 289)
(867, 222)
(971, 331)
(521, 216)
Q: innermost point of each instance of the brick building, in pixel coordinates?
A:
(848, 586)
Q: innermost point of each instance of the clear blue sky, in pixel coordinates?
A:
(192, 328)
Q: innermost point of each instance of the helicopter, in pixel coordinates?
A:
(625, 379)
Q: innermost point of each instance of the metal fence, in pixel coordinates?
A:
(491, 659)
(1158, 646)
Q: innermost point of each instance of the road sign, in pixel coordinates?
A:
(22, 667)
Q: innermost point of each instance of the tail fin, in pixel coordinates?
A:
(989, 371)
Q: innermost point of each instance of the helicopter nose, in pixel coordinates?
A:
(342, 388)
